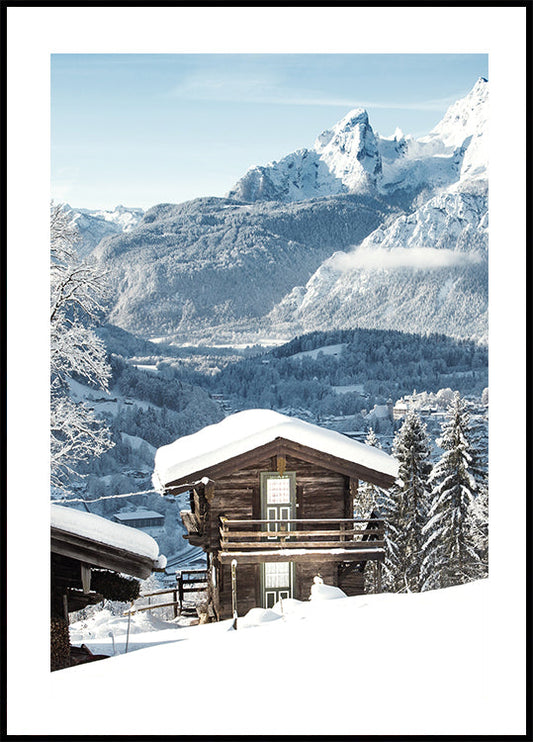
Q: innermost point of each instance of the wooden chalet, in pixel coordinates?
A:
(89, 556)
(277, 495)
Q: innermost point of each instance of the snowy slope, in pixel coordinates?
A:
(214, 261)
(426, 271)
(427, 674)
(345, 159)
(464, 129)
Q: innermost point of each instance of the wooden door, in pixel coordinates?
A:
(277, 579)
(278, 496)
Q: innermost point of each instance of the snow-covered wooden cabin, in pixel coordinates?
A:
(89, 555)
(276, 494)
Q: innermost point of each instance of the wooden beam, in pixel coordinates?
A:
(311, 555)
(342, 466)
(288, 544)
(376, 522)
(209, 491)
(229, 535)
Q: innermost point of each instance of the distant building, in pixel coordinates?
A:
(380, 412)
(400, 409)
(140, 519)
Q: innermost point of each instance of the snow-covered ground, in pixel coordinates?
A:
(384, 664)
(104, 633)
(345, 389)
(327, 350)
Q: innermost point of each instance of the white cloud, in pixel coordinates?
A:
(269, 90)
(416, 258)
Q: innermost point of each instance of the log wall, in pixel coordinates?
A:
(320, 493)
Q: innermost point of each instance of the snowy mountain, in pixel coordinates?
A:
(345, 159)
(212, 261)
(426, 272)
(95, 224)
(351, 158)
(464, 129)
(360, 230)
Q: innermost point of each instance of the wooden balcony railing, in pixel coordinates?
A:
(302, 533)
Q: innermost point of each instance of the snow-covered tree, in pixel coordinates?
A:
(76, 291)
(478, 435)
(367, 493)
(450, 555)
(365, 505)
(405, 507)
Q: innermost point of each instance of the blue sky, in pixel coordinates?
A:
(140, 129)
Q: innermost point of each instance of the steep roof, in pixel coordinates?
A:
(246, 431)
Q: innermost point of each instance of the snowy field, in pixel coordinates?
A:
(373, 664)
(326, 350)
(359, 388)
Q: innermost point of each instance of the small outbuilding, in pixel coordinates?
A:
(140, 518)
(275, 495)
(90, 557)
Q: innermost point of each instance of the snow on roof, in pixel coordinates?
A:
(247, 430)
(103, 531)
(379, 411)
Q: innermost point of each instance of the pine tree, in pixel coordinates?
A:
(478, 434)
(367, 494)
(405, 507)
(450, 556)
(365, 505)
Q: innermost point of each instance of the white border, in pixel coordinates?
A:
(33, 34)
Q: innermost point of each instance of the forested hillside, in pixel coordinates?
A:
(381, 364)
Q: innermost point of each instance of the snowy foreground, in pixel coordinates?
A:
(375, 664)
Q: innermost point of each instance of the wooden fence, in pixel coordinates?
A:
(187, 581)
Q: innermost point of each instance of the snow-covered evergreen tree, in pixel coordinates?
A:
(365, 505)
(367, 493)
(75, 351)
(450, 556)
(478, 434)
(405, 507)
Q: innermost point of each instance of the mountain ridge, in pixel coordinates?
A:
(360, 230)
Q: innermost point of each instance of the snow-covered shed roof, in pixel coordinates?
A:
(245, 431)
(103, 543)
(138, 514)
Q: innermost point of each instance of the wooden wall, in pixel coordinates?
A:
(320, 493)
(249, 586)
